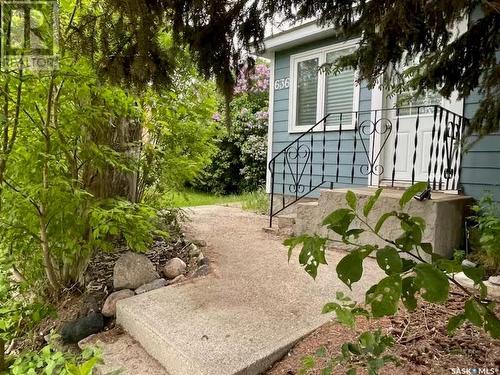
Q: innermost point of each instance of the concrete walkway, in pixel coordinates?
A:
(246, 313)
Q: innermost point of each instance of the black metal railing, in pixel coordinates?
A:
(367, 146)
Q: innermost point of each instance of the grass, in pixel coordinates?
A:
(254, 201)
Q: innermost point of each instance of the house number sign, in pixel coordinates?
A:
(282, 83)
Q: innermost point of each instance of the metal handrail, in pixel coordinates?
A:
(447, 133)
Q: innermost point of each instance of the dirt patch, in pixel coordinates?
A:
(422, 343)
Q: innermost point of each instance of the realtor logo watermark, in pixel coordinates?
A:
(29, 35)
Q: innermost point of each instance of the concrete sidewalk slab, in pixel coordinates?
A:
(247, 313)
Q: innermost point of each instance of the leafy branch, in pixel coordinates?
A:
(409, 275)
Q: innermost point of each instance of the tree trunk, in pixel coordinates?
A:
(42, 208)
(111, 182)
(47, 260)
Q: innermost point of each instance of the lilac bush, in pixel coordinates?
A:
(240, 164)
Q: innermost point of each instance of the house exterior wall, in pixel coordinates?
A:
(281, 136)
(480, 169)
(480, 172)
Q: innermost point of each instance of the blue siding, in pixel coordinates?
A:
(480, 171)
(481, 164)
(340, 173)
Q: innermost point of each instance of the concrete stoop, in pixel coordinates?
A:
(444, 216)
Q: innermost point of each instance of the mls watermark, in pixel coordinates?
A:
(29, 35)
(475, 371)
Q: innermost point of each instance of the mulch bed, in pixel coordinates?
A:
(422, 343)
(99, 274)
(80, 300)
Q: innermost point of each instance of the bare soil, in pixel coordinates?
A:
(422, 343)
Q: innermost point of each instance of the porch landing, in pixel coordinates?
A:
(247, 312)
(444, 215)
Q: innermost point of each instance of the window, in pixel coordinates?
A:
(314, 93)
(307, 92)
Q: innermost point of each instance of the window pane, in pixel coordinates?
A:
(307, 90)
(339, 92)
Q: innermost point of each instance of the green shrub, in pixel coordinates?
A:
(240, 162)
(486, 235)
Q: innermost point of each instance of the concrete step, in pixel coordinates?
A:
(306, 211)
(286, 223)
(443, 214)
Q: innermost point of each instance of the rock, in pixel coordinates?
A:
(468, 263)
(203, 270)
(133, 270)
(495, 280)
(178, 279)
(174, 267)
(202, 260)
(78, 329)
(87, 341)
(151, 286)
(109, 307)
(194, 251)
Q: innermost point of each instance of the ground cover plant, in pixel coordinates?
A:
(413, 271)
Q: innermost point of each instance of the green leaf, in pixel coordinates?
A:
(374, 365)
(409, 290)
(330, 307)
(351, 199)
(432, 283)
(293, 242)
(408, 264)
(354, 348)
(350, 268)
(339, 220)
(355, 232)
(411, 192)
(383, 219)
(308, 363)
(371, 202)
(389, 260)
(426, 247)
(455, 322)
(321, 352)
(476, 274)
(384, 297)
(351, 371)
(367, 339)
(312, 253)
(474, 312)
(339, 295)
(327, 370)
(448, 265)
(492, 324)
(345, 317)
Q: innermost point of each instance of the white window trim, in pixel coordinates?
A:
(319, 53)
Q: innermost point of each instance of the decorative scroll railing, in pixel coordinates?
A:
(363, 147)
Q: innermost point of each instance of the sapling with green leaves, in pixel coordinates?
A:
(410, 275)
